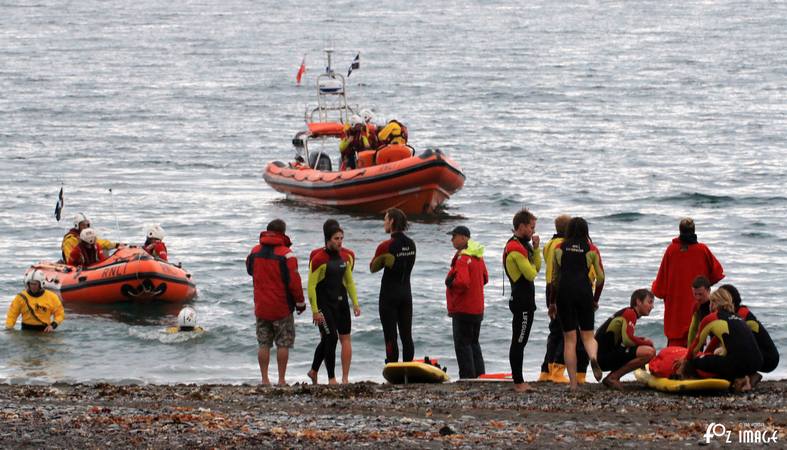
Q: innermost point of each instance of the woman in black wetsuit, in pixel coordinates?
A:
(396, 257)
(573, 294)
(330, 285)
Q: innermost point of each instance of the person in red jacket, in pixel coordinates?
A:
(277, 292)
(88, 252)
(465, 297)
(154, 242)
(684, 260)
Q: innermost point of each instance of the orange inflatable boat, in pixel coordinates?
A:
(129, 275)
(414, 184)
(391, 176)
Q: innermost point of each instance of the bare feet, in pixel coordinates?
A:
(332, 381)
(312, 376)
(612, 383)
(597, 373)
(754, 379)
(281, 383)
(742, 384)
(523, 387)
(345, 381)
(266, 382)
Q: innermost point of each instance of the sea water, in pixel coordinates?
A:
(630, 114)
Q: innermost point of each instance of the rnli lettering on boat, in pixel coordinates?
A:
(129, 275)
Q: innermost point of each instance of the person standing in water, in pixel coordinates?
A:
(330, 284)
(396, 257)
(573, 295)
(41, 309)
(521, 262)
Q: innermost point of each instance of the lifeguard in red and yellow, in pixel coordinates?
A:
(88, 251)
(71, 239)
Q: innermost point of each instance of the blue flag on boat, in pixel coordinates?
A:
(356, 64)
(59, 205)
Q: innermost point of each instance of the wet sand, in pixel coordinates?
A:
(364, 415)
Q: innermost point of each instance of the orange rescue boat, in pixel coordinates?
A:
(129, 275)
(392, 176)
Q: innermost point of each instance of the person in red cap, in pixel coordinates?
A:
(465, 297)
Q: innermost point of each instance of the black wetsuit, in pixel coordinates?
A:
(770, 354)
(522, 305)
(742, 356)
(334, 305)
(575, 292)
(397, 257)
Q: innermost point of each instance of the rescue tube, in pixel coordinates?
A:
(413, 372)
(668, 385)
(500, 376)
(129, 275)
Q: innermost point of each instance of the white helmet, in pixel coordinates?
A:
(35, 275)
(155, 231)
(88, 235)
(187, 317)
(367, 115)
(79, 218)
(355, 119)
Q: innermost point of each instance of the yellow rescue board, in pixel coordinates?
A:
(413, 372)
(667, 385)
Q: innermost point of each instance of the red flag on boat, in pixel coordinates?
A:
(301, 70)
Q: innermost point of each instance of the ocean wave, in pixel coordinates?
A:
(623, 217)
(699, 199)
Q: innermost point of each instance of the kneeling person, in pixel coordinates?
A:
(619, 350)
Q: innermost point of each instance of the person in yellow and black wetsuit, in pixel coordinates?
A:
(71, 239)
(41, 309)
(619, 350)
(573, 298)
(553, 367)
(396, 257)
(770, 354)
(700, 289)
(330, 283)
(521, 262)
(738, 356)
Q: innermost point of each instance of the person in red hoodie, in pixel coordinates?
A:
(684, 260)
(277, 292)
(465, 297)
(87, 252)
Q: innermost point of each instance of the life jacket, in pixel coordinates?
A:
(85, 255)
(393, 133)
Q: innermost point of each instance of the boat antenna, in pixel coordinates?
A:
(329, 54)
(114, 212)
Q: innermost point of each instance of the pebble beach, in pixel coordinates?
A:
(367, 415)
